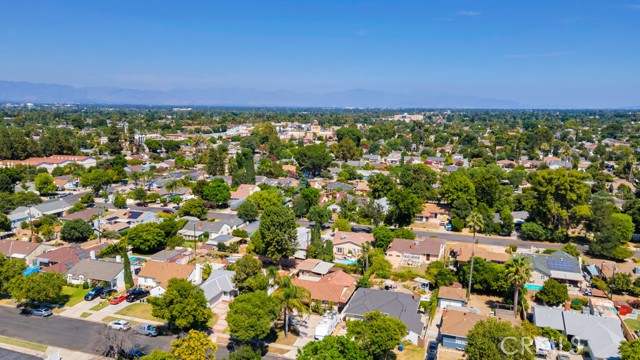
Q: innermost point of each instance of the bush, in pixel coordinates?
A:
(383, 274)
(600, 284)
(457, 225)
(241, 233)
(533, 231)
(578, 303)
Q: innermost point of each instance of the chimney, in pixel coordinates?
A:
(199, 224)
(416, 296)
(119, 258)
(92, 254)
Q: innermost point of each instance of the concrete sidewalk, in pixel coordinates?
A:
(64, 354)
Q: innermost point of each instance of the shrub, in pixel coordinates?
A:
(457, 225)
(533, 231)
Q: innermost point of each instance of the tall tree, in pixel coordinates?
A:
(518, 272)
(128, 278)
(250, 315)
(332, 348)
(291, 298)
(216, 161)
(278, 230)
(313, 158)
(404, 207)
(475, 222)
(183, 305)
(377, 333)
(76, 230)
(44, 183)
(197, 345)
(114, 139)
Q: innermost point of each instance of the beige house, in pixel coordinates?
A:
(403, 252)
(348, 244)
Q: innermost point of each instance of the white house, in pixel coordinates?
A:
(155, 275)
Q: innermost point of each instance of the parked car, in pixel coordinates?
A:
(448, 227)
(136, 294)
(563, 356)
(118, 299)
(119, 325)
(146, 329)
(134, 354)
(94, 293)
(433, 347)
(44, 312)
(432, 357)
(107, 292)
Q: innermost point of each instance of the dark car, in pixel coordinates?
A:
(136, 294)
(94, 293)
(134, 354)
(431, 357)
(107, 292)
(433, 347)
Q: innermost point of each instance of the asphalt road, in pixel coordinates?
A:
(14, 355)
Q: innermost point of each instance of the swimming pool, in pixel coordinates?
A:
(135, 258)
(533, 287)
(345, 261)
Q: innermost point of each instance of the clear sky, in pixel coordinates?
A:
(537, 52)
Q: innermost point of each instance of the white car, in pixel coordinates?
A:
(120, 325)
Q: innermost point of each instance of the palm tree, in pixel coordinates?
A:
(291, 298)
(518, 272)
(172, 186)
(475, 222)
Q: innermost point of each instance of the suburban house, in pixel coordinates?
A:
(450, 296)
(600, 335)
(403, 307)
(403, 252)
(559, 266)
(175, 256)
(335, 288)
(62, 259)
(433, 211)
(312, 269)
(156, 275)
(66, 183)
(29, 251)
(124, 219)
(86, 214)
(52, 162)
(348, 244)
(244, 191)
(219, 287)
(110, 271)
(456, 324)
(56, 208)
(462, 253)
(196, 229)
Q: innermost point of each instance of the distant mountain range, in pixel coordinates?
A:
(11, 91)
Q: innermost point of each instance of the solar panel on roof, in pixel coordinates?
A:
(560, 265)
(134, 214)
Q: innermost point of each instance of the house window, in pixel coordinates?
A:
(339, 250)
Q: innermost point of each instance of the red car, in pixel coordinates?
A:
(118, 299)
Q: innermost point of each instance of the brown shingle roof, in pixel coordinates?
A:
(452, 293)
(337, 287)
(427, 246)
(342, 237)
(162, 272)
(459, 323)
(14, 247)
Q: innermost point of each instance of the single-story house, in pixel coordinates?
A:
(403, 307)
(28, 251)
(456, 324)
(197, 229)
(90, 270)
(244, 191)
(219, 287)
(156, 275)
(601, 335)
(433, 211)
(560, 266)
(403, 252)
(333, 288)
(449, 296)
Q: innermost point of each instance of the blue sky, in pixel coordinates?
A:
(540, 53)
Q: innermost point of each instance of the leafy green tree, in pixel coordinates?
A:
(319, 215)
(342, 225)
(246, 267)
(158, 355)
(197, 345)
(439, 275)
(332, 348)
(119, 201)
(629, 350)
(114, 136)
(216, 161)
(271, 197)
(44, 183)
(458, 186)
(76, 230)
(250, 315)
(485, 338)
(194, 207)
(291, 298)
(380, 185)
(217, 193)
(299, 207)
(183, 305)
(9, 270)
(146, 238)
(245, 352)
(533, 231)
(346, 149)
(248, 211)
(350, 132)
(518, 273)
(620, 283)
(128, 277)
(7, 185)
(553, 293)
(97, 180)
(383, 236)
(278, 231)
(377, 333)
(475, 221)
(39, 287)
(571, 249)
(506, 220)
(404, 207)
(313, 158)
(615, 232)
(5, 223)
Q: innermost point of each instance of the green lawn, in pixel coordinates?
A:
(103, 304)
(85, 315)
(410, 352)
(72, 296)
(139, 310)
(633, 324)
(23, 344)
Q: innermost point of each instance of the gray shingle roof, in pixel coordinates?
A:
(398, 305)
(97, 269)
(218, 281)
